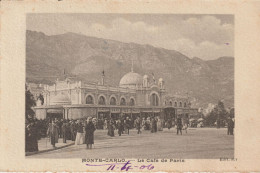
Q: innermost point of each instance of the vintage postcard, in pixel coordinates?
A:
(134, 86)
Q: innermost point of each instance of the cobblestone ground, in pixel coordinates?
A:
(198, 143)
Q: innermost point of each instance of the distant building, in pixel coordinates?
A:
(136, 95)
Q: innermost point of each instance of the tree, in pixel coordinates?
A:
(218, 114)
(29, 102)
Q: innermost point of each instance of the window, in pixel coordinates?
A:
(170, 103)
(180, 104)
(185, 104)
(89, 100)
(122, 101)
(101, 100)
(154, 100)
(113, 101)
(175, 104)
(132, 102)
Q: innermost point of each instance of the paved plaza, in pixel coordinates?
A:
(198, 143)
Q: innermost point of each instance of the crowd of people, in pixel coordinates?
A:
(82, 130)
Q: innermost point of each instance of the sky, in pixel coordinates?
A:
(204, 36)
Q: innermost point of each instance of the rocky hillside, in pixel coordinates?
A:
(86, 57)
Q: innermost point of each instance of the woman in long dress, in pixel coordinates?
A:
(159, 124)
(80, 135)
(89, 130)
(111, 128)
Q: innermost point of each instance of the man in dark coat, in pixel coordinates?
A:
(73, 130)
(230, 126)
(52, 132)
(138, 125)
(153, 125)
(120, 127)
(64, 129)
(179, 126)
(89, 136)
(127, 125)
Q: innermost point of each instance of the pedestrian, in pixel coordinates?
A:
(230, 126)
(159, 124)
(148, 124)
(169, 123)
(120, 127)
(89, 136)
(111, 128)
(59, 124)
(127, 125)
(79, 137)
(143, 124)
(153, 125)
(179, 126)
(64, 129)
(72, 130)
(138, 125)
(105, 124)
(52, 132)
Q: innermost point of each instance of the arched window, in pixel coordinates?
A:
(101, 100)
(185, 104)
(180, 104)
(170, 103)
(122, 101)
(113, 101)
(132, 102)
(89, 100)
(154, 100)
(175, 104)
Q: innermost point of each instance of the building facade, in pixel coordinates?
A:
(136, 95)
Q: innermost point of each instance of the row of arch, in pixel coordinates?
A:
(112, 100)
(176, 104)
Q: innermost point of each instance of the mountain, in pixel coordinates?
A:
(86, 57)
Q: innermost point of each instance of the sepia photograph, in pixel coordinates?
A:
(106, 85)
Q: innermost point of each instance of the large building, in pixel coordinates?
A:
(136, 95)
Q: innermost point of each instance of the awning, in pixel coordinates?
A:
(55, 111)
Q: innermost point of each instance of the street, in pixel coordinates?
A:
(198, 143)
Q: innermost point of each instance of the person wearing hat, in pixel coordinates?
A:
(64, 129)
(179, 125)
(89, 130)
(127, 125)
(138, 125)
(230, 126)
(52, 132)
(120, 127)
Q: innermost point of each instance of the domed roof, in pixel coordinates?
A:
(145, 76)
(60, 99)
(131, 79)
(161, 79)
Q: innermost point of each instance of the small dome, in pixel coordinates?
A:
(145, 76)
(131, 79)
(60, 99)
(161, 79)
